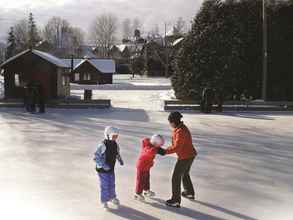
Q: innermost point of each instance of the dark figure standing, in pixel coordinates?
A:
(183, 147)
(34, 94)
(207, 100)
(219, 99)
(26, 98)
(30, 98)
(41, 99)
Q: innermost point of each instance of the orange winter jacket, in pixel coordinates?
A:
(182, 143)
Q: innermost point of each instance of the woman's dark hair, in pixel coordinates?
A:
(175, 117)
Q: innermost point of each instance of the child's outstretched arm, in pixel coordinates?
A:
(100, 157)
(119, 158)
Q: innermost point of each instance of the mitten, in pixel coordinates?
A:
(161, 151)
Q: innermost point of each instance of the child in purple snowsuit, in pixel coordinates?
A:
(105, 157)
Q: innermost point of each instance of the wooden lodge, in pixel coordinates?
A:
(31, 67)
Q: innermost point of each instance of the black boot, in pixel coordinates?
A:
(188, 195)
(173, 203)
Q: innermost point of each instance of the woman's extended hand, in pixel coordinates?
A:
(161, 151)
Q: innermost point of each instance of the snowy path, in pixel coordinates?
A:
(244, 169)
(138, 93)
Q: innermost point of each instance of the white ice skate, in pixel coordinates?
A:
(116, 202)
(139, 197)
(105, 206)
(149, 194)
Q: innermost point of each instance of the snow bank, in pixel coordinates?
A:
(121, 86)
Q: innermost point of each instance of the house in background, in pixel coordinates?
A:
(92, 71)
(52, 73)
(34, 66)
(120, 52)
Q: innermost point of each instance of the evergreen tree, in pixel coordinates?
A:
(223, 50)
(33, 35)
(11, 48)
(193, 61)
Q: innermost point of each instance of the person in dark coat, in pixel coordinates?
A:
(219, 99)
(26, 98)
(207, 100)
(41, 98)
(31, 98)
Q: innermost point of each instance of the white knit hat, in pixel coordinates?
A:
(157, 139)
(110, 131)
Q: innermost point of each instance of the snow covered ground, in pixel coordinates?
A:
(243, 171)
(138, 93)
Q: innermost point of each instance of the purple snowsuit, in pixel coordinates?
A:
(105, 157)
(107, 184)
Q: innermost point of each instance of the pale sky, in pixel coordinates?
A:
(81, 12)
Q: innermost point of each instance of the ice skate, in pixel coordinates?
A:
(105, 206)
(116, 202)
(173, 203)
(149, 194)
(188, 196)
(139, 197)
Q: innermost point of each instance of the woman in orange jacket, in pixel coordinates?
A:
(183, 147)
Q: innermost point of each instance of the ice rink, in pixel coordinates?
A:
(243, 171)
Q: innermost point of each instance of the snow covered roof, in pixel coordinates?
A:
(46, 56)
(103, 65)
(121, 47)
(50, 58)
(67, 62)
(87, 51)
(177, 41)
(170, 32)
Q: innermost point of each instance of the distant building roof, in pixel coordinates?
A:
(46, 56)
(50, 58)
(103, 65)
(170, 32)
(178, 41)
(67, 62)
(121, 47)
(87, 51)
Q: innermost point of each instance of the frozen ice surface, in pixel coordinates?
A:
(243, 171)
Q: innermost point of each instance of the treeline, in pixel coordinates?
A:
(224, 50)
(58, 36)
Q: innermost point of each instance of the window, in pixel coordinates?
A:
(86, 76)
(76, 77)
(65, 80)
(16, 80)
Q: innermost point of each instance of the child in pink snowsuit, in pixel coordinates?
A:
(150, 147)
